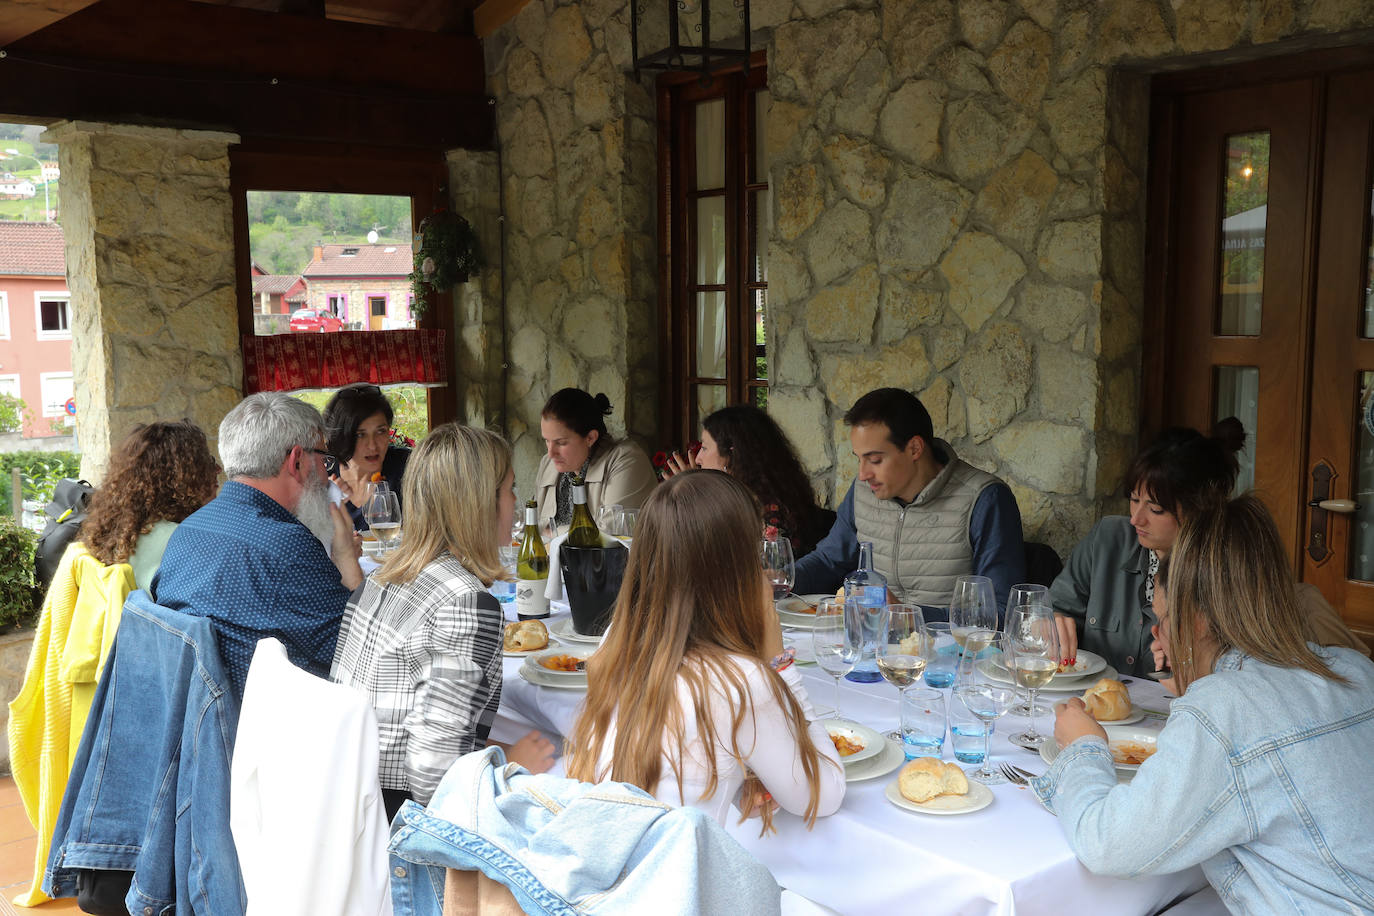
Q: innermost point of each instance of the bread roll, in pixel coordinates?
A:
(1108, 700)
(927, 777)
(525, 636)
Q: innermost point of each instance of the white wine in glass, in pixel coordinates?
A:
(1031, 649)
(904, 649)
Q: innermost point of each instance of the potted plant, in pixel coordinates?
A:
(449, 254)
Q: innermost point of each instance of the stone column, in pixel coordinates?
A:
(477, 350)
(150, 265)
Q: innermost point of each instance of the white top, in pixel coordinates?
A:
(766, 743)
(305, 806)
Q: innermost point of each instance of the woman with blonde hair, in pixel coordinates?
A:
(1266, 725)
(423, 634)
(691, 690)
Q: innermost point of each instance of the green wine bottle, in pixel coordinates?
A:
(531, 570)
(582, 532)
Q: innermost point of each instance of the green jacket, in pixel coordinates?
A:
(1103, 588)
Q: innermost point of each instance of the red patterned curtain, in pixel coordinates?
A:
(287, 362)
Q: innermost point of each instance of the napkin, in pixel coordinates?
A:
(554, 590)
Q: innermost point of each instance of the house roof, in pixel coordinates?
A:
(273, 284)
(364, 261)
(32, 250)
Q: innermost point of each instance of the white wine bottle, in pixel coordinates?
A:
(531, 570)
(582, 531)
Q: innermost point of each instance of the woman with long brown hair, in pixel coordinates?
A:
(161, 473)
(691, 690)
(1257, 772)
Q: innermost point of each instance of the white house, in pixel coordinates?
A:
(51, 172)
(10, 186)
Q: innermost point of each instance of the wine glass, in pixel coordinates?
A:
(383, 514)
(1031, 643)
(778, 565)
(903, 649)
(988, 702)
(1027, 593)
(837, 648)
(973, 606)
(608, 519)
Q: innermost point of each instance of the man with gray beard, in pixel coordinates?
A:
(253, 559)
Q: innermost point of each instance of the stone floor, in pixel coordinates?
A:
(17, 839)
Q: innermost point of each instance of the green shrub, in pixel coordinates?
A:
(11, 413)
(19, 600)
(40, 472)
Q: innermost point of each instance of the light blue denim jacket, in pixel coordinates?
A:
(566, 847)
(149, 789)
(1262, 776)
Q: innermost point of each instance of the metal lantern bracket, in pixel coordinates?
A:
(704, 58)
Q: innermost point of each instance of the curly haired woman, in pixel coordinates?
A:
(161, 473)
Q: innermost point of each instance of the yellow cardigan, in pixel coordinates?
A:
(77, 627)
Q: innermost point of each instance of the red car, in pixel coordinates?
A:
(315, 320)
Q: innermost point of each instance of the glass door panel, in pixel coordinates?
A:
(1237, 395)
(1244, 221)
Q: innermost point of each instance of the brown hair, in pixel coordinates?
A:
(1183, 470)
(1229, 585)
(161, 472)
(450, 494)
(693, 600)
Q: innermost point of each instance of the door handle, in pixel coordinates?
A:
(1343, 506)
(1322, 475)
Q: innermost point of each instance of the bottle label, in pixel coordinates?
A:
(531, 516)
(579, 494)
(530, 600)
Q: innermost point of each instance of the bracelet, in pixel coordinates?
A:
(783, 659)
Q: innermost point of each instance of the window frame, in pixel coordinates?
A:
(281, 166)
(43, 378)
(41, 296)
(4, 315)
(677, 96)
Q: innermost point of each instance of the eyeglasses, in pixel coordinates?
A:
(357, 391)
(319, 451)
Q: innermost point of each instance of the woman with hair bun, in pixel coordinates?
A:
(1102, 599)
(576, 444)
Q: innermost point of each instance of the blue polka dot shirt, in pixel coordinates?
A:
(254, 570)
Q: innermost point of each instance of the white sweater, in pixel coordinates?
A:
(765, 742)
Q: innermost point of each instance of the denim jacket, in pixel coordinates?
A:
(149, 790)
(1261, 776)
(565, 847)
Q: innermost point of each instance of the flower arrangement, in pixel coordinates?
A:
(449, 253)
(400, 439)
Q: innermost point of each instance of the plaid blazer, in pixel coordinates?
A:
(428, 654)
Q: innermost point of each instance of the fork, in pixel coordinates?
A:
(810, 604)
(1013, 775)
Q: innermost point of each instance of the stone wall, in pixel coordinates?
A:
(150, 265)
(958, 193)
(576, 139)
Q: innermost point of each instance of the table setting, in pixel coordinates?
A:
(990, 849)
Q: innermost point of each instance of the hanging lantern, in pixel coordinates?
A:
(692, 35)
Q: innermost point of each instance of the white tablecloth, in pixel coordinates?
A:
(1010, 858)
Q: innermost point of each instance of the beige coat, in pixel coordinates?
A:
(620, 474)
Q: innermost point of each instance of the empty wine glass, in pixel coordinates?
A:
(383, 514)
(1031, 644)
(988, 702)
(778, 565)
(1027, 594)
(973, 606)
(608, 519)
(836, 643)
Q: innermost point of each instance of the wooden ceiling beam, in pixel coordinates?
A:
(21, 17)
(257, 74)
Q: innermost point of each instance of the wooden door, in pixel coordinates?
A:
(1338, 554)
(376, 313)
(1240, 310)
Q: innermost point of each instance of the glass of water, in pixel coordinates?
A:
(944, 657)
(504, 590)
(923, 722)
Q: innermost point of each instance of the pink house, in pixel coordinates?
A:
(35, 324)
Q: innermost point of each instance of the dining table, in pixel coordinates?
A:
(872, 856)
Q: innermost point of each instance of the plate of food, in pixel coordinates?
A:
(799, 610)
(1109, 703)
(563, 631)
(928, 785)
(560, 662)
(534, 676)
(884, 762)
(1130, 747)
(524, 637)
(1085, 665)
(854, 742)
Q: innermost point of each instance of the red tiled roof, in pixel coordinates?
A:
(273, 284)
(32, 250)
(367, 261)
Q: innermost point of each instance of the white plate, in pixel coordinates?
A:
(891, 757)
(1076, 685)
(794, 604)
(535, 677)
(536, 661)
(979, 797)
(1136, 715)
(563, 630)
(1049, 750)
(1086, 665)
(797, 621)
(872, 741)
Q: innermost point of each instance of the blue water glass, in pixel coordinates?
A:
(944, 663)
(504, 591)
(966, 737)
(923, 719)
(941, 675)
